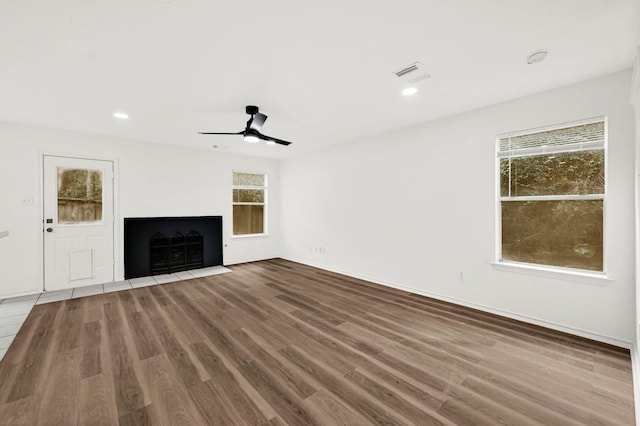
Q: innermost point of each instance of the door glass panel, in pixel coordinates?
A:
(79, 196)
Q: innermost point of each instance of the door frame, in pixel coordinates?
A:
(118, 268)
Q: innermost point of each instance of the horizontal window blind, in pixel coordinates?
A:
(572, 138)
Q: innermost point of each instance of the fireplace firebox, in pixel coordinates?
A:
(164, 245)
(176, 252)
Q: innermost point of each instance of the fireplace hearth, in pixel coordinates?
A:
(164, 245)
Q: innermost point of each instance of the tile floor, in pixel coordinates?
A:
(14, 311)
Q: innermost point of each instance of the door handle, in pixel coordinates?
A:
(49, 229)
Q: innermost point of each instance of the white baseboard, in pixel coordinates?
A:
(524, 318)
(635, 366)
(251, 260)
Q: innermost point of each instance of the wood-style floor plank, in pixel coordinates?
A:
(97, 404)
(277, 343)
(129, 394)
(38, 352)
(325, 406)
(60, 391)
(171, 401)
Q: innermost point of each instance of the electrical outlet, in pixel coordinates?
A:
(26, 201)
(460, 276)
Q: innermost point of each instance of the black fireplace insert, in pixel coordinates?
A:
(163, 245)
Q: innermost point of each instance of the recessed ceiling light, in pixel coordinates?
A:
(121, 115)
(409, 91)
(537, 56)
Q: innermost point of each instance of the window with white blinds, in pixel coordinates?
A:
(552, 195)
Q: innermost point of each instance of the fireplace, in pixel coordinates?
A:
(176, 252)
(164, 245)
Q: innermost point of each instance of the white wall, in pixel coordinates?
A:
(153, 180)
(415, 207)
(635, 360)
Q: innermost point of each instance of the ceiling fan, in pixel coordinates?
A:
(252, 132)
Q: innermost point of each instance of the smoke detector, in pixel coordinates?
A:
(412, 73)
(537, 56)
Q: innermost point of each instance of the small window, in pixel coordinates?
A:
(249, 203)
(552, 196)
(79, 196)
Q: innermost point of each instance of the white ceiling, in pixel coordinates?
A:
(322, 71)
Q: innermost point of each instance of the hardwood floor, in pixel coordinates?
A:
(276, 342)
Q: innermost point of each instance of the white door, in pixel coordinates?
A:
(78, 222)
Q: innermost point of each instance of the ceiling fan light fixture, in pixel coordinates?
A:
(251, 138)
(251, 133)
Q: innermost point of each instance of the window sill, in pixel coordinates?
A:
(561, 273)
(248, 236)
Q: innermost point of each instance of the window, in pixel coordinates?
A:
(552, 194)
(79, 196)
(249, 198)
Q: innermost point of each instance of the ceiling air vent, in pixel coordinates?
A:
(412, 73)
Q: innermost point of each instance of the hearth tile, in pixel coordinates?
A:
(142, 282)
(14, 319)
(54, 296)
(10, 330)
(166, 278)
(5, 342)
(27, 298)
(16, 308)
(87, 291)
(117, 286)
(184, 275)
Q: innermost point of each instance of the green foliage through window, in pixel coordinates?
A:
(80, 184)
(571, 173)
(248, 179)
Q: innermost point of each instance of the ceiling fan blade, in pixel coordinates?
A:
(219, 133)
(256, 121)
(276, 140)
